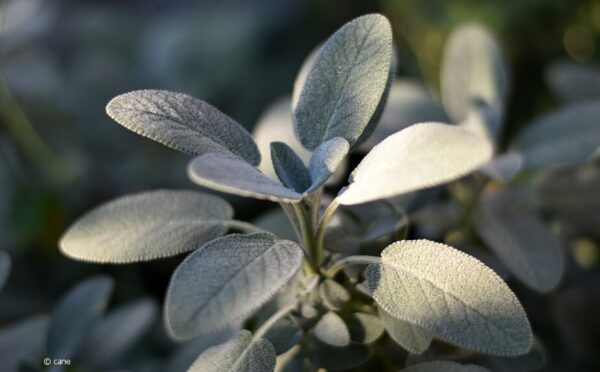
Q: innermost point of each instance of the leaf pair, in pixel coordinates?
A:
(450, 294)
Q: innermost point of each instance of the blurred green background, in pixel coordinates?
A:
(60, 154)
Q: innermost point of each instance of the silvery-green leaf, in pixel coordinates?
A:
(333, 294)
(418, 157)
(114, 335)
(146, 226)
(503, 167)
(275, 124)
(326, 160)
(184, 356)
(284, 335)
(5, 264)
(383, 226)
(76, 314)
(527, 248)
(573, 82)
(226, 280)
(334, 358)
(183, 123)
(473, 69)
(232, 175)
(276, 221)
(332, 330)
(23, 341)
(289, 168)
(345, 83)
(364, 328)
(567, 137)
(444, 366)
(411, 337)
(408, 103)
(451, 294)
(307, 65)
(482, 119)
(240, 354)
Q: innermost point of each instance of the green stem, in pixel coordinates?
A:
(244, 227)
(307, 241)
(320, 234)
(351, 260)
(281, 313)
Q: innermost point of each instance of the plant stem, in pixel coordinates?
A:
(351, 260)
(245, 227)
(320, 234)
(306, 238)
(281, 313)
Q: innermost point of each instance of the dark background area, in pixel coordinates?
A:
(61, 155)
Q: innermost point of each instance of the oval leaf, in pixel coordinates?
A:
(451, 294)
(76, 314)
(5, 264)
(183, 123)
(473, 70)
(521, 241)
(443, 366)
(332, 330)
(240, 354)
(411, 337)
(333, 294)
(567, 137)
(226, 280)
(284, 335)
(326, 160)
(232, 175)
(346, 82)
(572, 81)
(147, 226)
(418, 157)
(289, 168)
(114, 335)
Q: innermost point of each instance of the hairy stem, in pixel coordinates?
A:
(307, 240)
(320, 234)
(281, 313)
(351, 260)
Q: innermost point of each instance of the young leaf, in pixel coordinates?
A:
(114, 335)
(75, 315)
(147, 226)
(346, 83)
(232, 175)
(5, 264)
(473, 69)
(364, 328)
(284, 335)
(226, 280)
(275, 124)
(411, 337)
(289, 168)
(23, 341)
(418, 157)
(332, 330)
(444, 366)
(333, 294)
(567, 137)
(183, 123)
(240, 354)
(325, 160)
(574, 82)
(521, 241)
(452, 294)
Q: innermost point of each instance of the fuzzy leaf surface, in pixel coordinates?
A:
(289, 168)
(226, 280)
(325, 161)
(332, 330)
(418, 157)
(183, 123)
(364, 328)
(411, 337)
(451, 294)
(240, 354)
(147, 226)
(346, 82)
(232, 175)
